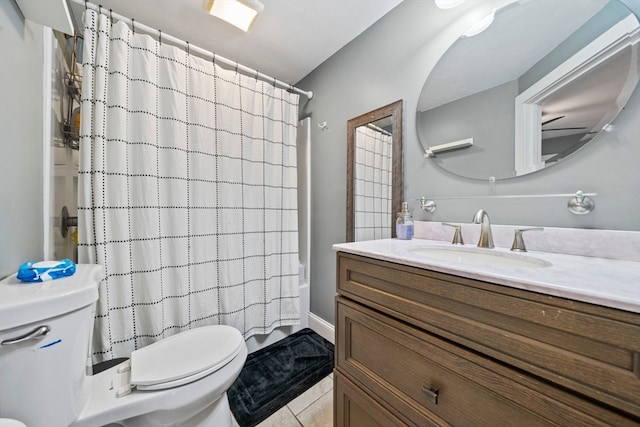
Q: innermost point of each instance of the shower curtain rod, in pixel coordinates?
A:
(378, 128)
(191, 48)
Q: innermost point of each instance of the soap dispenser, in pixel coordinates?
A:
(404, 223)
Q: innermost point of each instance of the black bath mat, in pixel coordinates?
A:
(277, 374)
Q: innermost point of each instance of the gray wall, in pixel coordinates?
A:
(391, 61)
(489, 118)
(21, 98)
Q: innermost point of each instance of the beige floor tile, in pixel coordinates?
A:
(301, 402)
(282, 418)
(320, 413)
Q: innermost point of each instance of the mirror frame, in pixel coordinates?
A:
(393, 110)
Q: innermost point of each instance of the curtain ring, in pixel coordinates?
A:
(133, 25)
(257, 75)
(236, 68)
(188, 49)
(111, 17)
(99, 9)
(214, 58)
(274, 82)
(160, 36)
(85, 5)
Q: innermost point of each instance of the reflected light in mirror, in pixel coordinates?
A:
(480, 26)
(448, 4)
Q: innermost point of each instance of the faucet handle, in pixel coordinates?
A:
(457, 236)
(518, 242)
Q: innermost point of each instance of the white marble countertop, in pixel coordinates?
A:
(606, 282)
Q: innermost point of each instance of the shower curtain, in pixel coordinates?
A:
(372, 181)
(187, 192)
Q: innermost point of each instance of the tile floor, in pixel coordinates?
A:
(313, 408)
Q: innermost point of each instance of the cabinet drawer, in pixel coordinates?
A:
(590, 349)
(427, 378)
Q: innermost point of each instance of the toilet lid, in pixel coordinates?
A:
(184, 357)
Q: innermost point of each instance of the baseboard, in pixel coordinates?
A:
(323, 328)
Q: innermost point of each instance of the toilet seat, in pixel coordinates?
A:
(184, 357)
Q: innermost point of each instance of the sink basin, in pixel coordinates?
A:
(485, 259)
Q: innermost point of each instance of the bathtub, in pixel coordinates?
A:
(257, 342)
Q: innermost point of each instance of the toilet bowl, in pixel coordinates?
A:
(45, 331)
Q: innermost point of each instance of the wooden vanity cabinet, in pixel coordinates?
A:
(417, 347)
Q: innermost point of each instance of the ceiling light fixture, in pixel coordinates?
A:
(480, 26)
(240, 13)
(448, 4)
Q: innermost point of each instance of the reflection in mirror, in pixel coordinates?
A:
(374, 173)
(544, 79)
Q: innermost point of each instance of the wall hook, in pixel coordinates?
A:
(323, 126)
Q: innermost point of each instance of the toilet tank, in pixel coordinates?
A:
(41, 377)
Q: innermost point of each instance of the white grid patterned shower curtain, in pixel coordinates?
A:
(372, 180)
(187, 192)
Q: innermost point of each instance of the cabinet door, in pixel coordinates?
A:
(354, 408)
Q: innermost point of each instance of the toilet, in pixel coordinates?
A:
(45, 336)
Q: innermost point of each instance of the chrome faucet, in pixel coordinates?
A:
(486, 239)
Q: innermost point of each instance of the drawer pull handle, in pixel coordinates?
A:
(431, 393)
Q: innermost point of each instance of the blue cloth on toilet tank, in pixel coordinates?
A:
(45, 270)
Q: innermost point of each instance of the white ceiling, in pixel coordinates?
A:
(287, 41)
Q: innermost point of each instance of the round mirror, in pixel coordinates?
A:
(542, 79)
